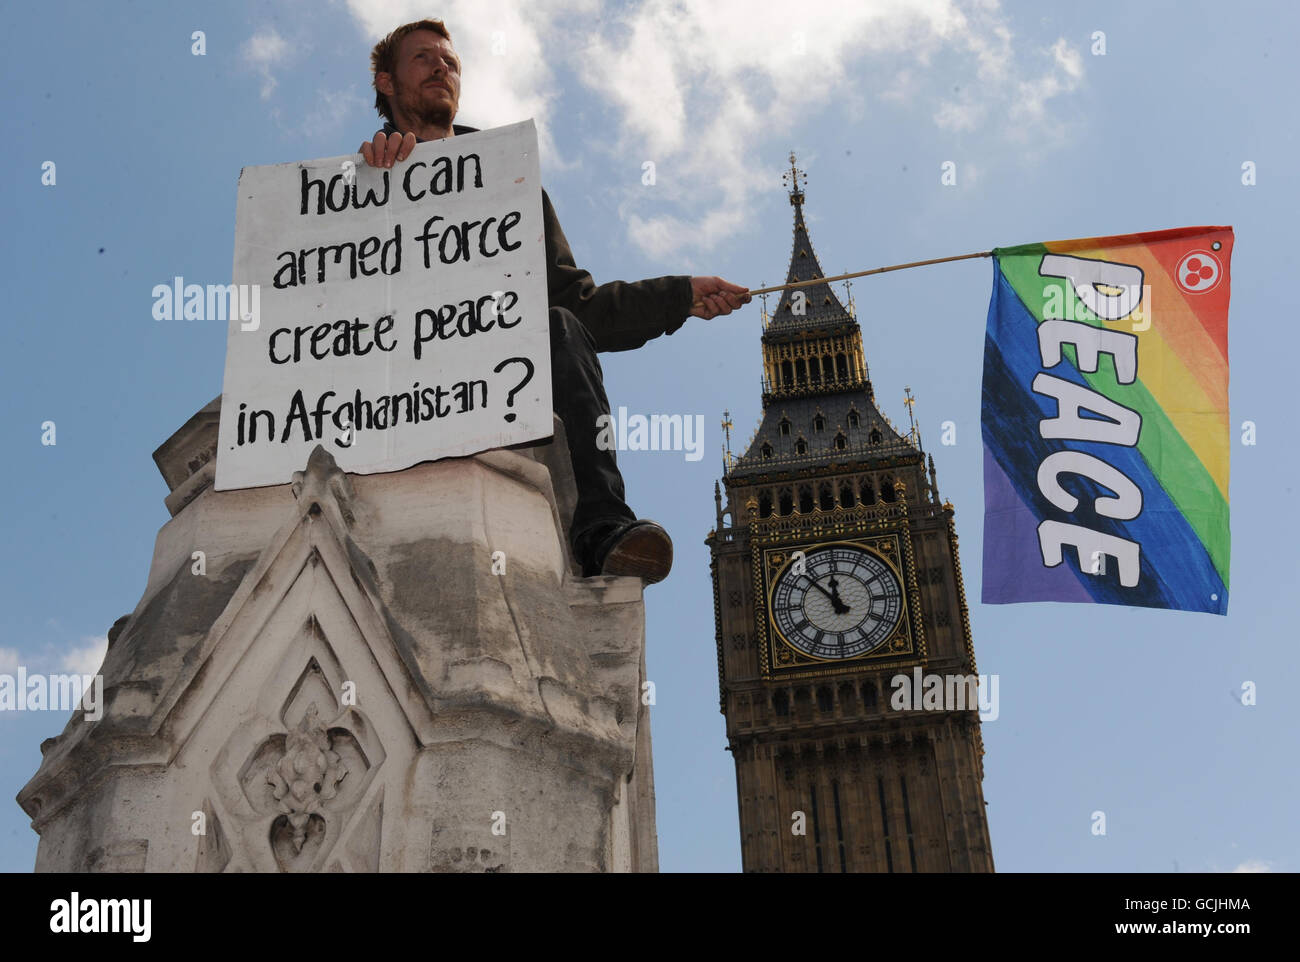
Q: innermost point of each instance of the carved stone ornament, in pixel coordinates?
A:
(306, 775)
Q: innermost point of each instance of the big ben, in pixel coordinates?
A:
(837, 584)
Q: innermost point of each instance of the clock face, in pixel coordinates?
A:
(846, 602)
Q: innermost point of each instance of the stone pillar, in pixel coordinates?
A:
(393, 672)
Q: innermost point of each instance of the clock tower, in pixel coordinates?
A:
(846, 669)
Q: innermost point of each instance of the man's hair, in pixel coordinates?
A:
(383, 59)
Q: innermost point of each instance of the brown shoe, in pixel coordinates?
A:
(640, 549)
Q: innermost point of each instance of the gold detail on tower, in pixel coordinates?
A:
(813, 365)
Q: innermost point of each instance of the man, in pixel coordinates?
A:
(417, 81)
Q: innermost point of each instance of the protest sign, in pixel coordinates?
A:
(398, 316)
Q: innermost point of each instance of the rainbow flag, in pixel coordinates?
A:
(1105, 421)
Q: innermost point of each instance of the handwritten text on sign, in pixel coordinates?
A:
(403, 311)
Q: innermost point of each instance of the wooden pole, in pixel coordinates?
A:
(874, 270)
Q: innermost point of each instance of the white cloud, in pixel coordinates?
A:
(9, 661)
(1062, 76)
(264, 51)
(1068, 59)
(332, 108)
(87, 658)
(1254, 865)
(902, 89)
(959, 116)
(705, 88)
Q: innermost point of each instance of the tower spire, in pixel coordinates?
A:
(812, 344)
(814, 306)
(815, 372)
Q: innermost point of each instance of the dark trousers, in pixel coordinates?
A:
(578, 389)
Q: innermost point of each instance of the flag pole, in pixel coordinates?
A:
(874, 270)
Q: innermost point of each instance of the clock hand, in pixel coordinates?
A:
(836, 601)
(824, 591)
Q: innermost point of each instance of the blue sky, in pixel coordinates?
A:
(1129, 711)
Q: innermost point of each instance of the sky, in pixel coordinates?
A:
(1059, 122)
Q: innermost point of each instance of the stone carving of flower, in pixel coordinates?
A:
(307, 774)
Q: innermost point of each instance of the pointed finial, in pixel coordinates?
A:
(914, 433)
(848, 296)
(763, 298)
(726, 430)
(791, 179)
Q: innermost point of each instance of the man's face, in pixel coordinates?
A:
(426, 82)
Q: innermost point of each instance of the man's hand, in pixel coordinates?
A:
(387, 149)
(714, 296)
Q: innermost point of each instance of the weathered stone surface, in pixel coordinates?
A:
(393, 672)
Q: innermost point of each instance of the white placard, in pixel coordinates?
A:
(400, 315)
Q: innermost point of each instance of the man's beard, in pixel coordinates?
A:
(422, 112)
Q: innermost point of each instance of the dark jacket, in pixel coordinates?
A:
(620, 315)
